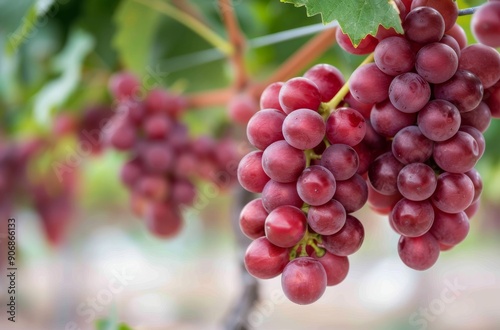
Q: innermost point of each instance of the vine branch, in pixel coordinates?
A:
(237, 40)
(190, 22)
(300, 59)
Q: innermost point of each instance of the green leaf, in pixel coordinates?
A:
(136, 27)
(68, 63)
(357, 18)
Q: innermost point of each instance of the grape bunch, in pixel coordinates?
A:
(433, 97)
(25, 178)
(164, 158)
(307, 172)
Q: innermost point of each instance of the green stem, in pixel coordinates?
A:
(335, 101)
(201, 29)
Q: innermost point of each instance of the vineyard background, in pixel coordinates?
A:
(110, 267)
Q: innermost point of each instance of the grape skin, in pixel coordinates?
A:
(265, 260)
(265, 128)
(327, 219)
(485, 24)
(316, 185)
(304, 280)
(304, 129)
(347, 240)
(252, 219)
(419, 253)
(299, 93)
(285, 226)
(282, 162)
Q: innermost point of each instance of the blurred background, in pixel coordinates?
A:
(101, 265)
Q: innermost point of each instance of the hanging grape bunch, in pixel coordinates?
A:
(164, 158)
(410, 123)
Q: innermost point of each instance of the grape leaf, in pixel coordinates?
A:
(357, 18)
(136, 26)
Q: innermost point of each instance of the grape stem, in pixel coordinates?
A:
(335, 101)
(468, 11)
(237, 40)
(190, 22)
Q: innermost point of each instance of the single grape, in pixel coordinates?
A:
(163, 220)
(386, 120)
(252, 219)
(347, 240)
(251, 175)
(409, 92)
(417, 181)
(340, 159)
(458, 154)
(464, 90)
(379, 203)
(365, 46)
(242, 107)
(345, 125)
(304, 129)
(458, 33)
(411, 146)
(183, 192)
(299, 93)
(383, 174)
(479, 117)
(368, 84)
(131, 171)
(454, 192)
(282, 162)
(477, 135)
(304, 280)
(265, 260)
(475, 177)
(485, 24)
(157, 157)
(447, 8)
(276, 194)
(124, 85)
(419, 253)
(450, 229)
(336, 267)
(451, 42)
(436, 62)
(269, 99)
(153, 187)
(157, 126)
(285, 226)
(327, 78)
(352, 193)
(439, 120)
(327, 219)
(394, 56)
(483, 61)
(316, 185)
(265, 128)
(424, 25)
(412, 218)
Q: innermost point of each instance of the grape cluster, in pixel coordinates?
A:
(22, 180)
(405, 138)
(307, 172)
(433, 97)
(164, 159)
